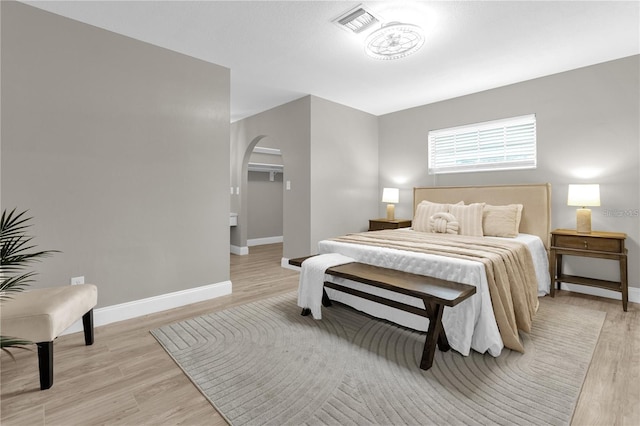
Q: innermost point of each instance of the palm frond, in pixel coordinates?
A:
(7, 342)
(12, 224)
(16, 253)
(15, 284)
(15, 243)
(22, 260)
(10, 342)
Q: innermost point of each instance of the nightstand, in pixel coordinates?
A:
(603, 245)
(378, 224)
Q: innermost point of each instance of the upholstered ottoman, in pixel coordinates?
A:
(41, 315)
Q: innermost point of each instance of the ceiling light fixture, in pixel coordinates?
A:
(394, 41)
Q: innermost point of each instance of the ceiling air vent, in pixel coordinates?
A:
(356, 20)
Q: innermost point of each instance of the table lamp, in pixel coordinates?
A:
(391, 196)
(583, 196)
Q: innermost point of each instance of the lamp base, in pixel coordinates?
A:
(391, 208)
(583, 221)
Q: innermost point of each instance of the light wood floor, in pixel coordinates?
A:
(127, 378)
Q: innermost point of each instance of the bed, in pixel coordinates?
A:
(473, 324)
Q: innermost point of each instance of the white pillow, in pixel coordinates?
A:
(424, 211)
(501, 221)
(469, 218)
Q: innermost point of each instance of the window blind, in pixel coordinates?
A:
(492, 145)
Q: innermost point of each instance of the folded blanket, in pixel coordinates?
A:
(312, 280)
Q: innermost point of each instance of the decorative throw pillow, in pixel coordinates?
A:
(424, 211)
(519, 217)
(443, 223)
(501, 221)
(469, 218)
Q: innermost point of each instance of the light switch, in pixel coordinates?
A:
(288, 185)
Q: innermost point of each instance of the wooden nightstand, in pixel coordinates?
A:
(603, 245)
(378, 224)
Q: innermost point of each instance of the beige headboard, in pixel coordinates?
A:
(536, 199)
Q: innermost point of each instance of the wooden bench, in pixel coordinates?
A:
(434, 292)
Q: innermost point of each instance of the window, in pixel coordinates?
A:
(506, 144)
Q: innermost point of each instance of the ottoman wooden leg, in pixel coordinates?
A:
(45, 363)
(87, 324)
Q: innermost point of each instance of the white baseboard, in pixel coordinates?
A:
(634, 292)
(262, 241)
(243, 251)
(240, 251)
(284, 262)
(150, 305)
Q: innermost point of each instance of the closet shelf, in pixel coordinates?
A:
(265, 167)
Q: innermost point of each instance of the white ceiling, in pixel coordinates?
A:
(281, 51)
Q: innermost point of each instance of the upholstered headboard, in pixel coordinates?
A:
(536, 199)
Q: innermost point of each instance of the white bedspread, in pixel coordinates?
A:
(469, 325)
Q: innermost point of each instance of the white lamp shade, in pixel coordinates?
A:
(390, 195)
(584, 195)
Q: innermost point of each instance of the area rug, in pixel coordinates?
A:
(263, 363)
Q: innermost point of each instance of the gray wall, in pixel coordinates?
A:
(264, 205)
(344, 170)
(588, 132)
(120, 150)
(330, 156)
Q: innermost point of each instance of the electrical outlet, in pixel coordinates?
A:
(77, 280)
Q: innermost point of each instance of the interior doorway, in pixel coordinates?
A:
(261, 198)
(265, 198)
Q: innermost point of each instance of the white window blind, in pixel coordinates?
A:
(493, 145)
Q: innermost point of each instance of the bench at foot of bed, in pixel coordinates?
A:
(434, 292)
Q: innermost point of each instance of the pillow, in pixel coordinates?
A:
(469, 218)
(520, 208)
(424, 211)
(501, 221)
(443, 223)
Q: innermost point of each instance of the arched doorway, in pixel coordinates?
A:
(260, 196)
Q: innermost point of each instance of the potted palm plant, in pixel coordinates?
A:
(16, 257)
